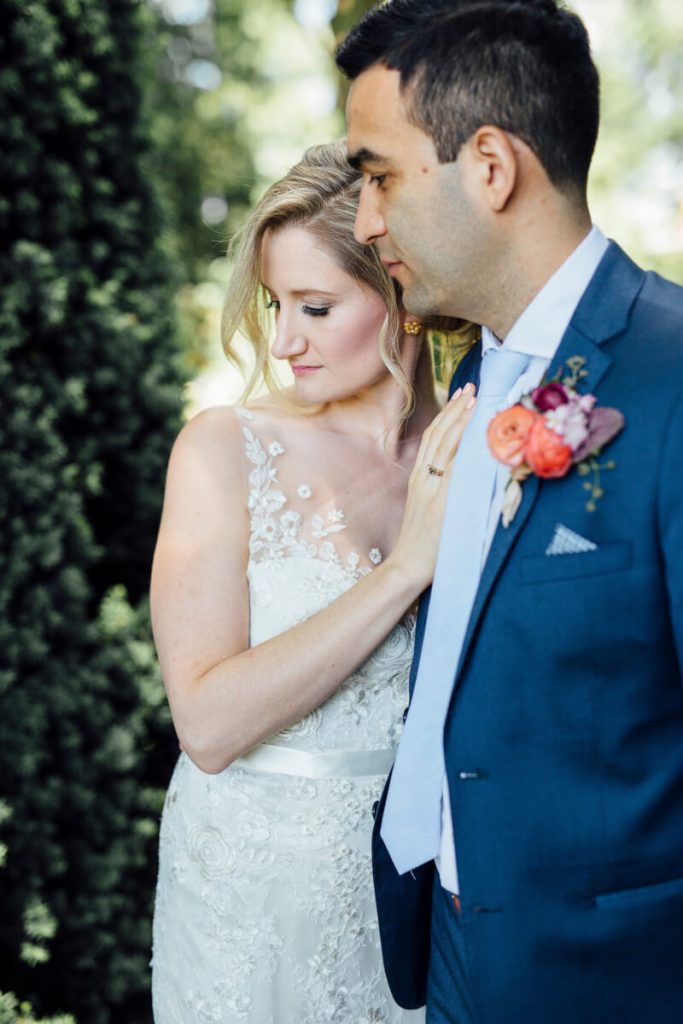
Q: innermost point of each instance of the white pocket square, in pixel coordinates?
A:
(567, 542)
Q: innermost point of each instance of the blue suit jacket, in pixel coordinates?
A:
(564, 738)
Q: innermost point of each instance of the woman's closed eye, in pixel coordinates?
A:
(308, 310)
(315, 310)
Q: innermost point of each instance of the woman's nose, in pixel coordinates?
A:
(289, 338)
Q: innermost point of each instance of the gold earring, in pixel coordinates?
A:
(412, 327)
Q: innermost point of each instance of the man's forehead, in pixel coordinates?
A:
(376, 91)
(380, 133)
(374, 110)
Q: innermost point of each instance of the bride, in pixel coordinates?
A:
(298, 531)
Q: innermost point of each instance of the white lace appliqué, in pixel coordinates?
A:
(276, 533)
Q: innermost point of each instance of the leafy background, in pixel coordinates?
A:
(136, 134)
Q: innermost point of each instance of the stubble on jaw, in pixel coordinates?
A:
(449, 270)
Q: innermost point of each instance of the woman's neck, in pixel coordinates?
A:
(376, 413)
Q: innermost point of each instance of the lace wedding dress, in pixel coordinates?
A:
(265, 910)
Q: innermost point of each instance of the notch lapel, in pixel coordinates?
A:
(602, 313)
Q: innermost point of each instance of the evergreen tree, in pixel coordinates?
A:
(12, 1012)
(90, 381)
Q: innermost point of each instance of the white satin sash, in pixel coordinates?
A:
(344, 763)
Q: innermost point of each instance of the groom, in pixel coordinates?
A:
(541, 767)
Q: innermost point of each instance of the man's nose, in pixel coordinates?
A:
(369, 221)
(289, 338)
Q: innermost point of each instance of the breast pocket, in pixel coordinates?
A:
(607, 558)
(643, 896)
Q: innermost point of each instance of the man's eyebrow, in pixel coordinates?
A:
(364, 156)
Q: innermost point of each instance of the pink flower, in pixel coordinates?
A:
(508, 432)
(603, 424)
(586, 402)
(546, 451)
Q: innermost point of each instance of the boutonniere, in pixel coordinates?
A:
(550, 430)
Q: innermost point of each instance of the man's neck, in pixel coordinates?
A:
(530, 268)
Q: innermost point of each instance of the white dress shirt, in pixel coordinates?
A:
(537, 333)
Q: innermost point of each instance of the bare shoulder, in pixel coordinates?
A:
(210, 442)
(212, 429)
(198, 589)
(206, 469)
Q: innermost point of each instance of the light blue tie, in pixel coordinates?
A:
(411, 825)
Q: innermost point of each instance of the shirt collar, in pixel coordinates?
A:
(539, 330)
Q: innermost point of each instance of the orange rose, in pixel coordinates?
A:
(508, 432)
(546, 451)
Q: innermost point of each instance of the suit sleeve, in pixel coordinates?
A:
(670, 508)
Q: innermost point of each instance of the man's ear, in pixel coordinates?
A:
(495, 158)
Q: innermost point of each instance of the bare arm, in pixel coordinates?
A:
(225, 697)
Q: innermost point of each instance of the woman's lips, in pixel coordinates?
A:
(301, 371)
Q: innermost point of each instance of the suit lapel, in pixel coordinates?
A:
(602, 313)
(467, 369)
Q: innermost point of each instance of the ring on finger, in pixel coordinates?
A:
(434, 470)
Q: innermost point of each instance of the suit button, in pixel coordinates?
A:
(471, 776)
(405, 715)
(375, 808)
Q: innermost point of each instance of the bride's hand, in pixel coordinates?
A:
(418, 540)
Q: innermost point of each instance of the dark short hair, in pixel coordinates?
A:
(522, 65)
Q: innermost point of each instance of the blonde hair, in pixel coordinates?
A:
(321, 194)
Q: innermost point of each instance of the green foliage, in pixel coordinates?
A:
(239, 94)
(39, 927)
(349, 12)
(201, 149)
(635, 181)
(90, 380)
(222, 97)
(11, 1012)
